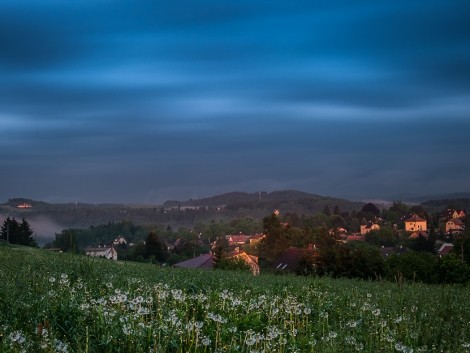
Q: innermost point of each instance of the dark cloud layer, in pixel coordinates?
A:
(144, 101)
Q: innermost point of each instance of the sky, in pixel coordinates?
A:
(140, 101)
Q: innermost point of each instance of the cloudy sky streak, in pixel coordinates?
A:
(125, 101)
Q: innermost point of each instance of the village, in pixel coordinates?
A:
(280, 252)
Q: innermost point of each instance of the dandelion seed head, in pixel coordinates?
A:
(206, 341)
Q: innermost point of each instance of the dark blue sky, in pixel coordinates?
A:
(143, 101)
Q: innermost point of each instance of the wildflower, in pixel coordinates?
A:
(17, 337)
(398, 320)
(216, 318)
(353, 324)
(324, 315)
(307, 311)
(60, 346)
(359, 347)
(122, 298)
(138, 300)
(332, 335)
(376, 312)
(273, 333)
(206, 341)
(143, 311)
(249, 341)
(127, 330)
(52, 279)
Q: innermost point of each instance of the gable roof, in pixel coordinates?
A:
(415, 218)
(203, 261)
(355, 238)
(456, 221)
(416, 235)
(445, 249)
(239, 238)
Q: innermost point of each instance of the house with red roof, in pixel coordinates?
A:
(415, 223)
(455, 226)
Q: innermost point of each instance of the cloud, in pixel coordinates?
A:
(103, 96)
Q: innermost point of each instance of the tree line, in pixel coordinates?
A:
(15, 232)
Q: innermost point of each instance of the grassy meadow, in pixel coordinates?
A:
(52, 302)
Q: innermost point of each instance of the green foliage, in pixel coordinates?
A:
(66, 241)
(453, 270)
(53, 302)
(370, 211)
(232, 264)
(17, 233)
(351, 261)
(385, 236)
(413, 266)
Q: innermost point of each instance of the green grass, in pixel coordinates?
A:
(53, 302)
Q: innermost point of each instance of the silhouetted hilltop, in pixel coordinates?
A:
(187, 213)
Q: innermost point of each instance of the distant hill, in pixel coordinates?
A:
(417, 199)
(259, 204)
(177, 213)
(50, 218)
(440, 205)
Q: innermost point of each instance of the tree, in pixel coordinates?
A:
(452, 270)
(370, 208)
(66, 241)
(413, 266)
(384, 236)
(327, 211)
(17, 233)
(232, 264)
(154, 249)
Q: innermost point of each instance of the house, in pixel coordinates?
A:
(255, 239)
(250, 260)
(120, 240)
(455, 225)
(452, 213)
(338, 231)
(24, 205)
(239, 239)
(418, 234)
(445, 249)
(107, 252)
(291, 258)
(415, 223)
(355, 238)
(205, 261)
(367, 227)
(172, 246)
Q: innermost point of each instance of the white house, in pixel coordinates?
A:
(106, 252)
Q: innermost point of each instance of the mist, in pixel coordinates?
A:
(44, 228)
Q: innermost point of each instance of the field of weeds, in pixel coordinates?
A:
(53, 302)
